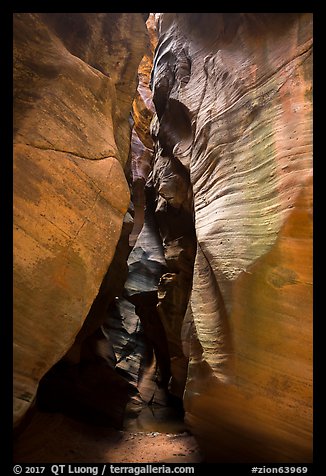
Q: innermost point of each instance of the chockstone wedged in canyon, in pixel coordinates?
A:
(199, 288)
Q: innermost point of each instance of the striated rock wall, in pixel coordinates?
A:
(234, 128)
(75, 77)
(174, 214)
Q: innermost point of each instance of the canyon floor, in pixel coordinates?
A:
(56, 438)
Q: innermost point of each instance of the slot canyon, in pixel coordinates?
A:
(163, 237)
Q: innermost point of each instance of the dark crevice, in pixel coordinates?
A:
(175, 127)
(95, 380)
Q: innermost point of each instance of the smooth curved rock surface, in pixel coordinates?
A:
(233, 99)
(74, 82)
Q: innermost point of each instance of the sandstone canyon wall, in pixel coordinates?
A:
(200, 287)
(234, 141)
(75, 77)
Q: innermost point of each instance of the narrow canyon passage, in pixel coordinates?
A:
(163, 237)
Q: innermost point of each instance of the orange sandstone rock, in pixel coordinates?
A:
(74, 82)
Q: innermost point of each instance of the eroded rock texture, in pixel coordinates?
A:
(145, 353)
(234, 127)
(75, 76)
(174, 215)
